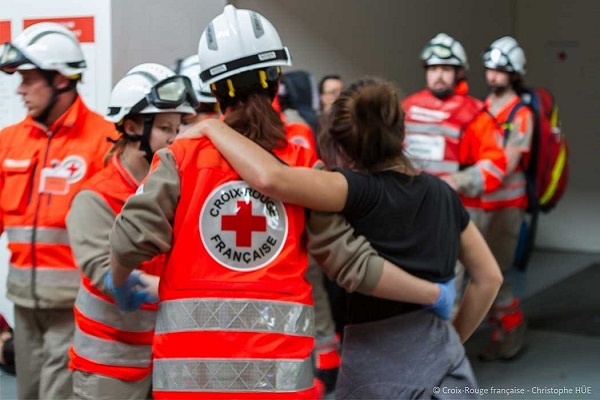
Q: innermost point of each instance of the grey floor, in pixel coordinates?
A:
(554, 362)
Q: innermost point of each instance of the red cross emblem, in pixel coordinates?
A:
(73, 168)
(244, 223)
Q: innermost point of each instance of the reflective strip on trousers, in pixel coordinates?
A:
(49, 277)
(431, 129)
(24, 234)
(255, 375)
(100, 310)
(504, 194)
(107, 352)
(235, 315)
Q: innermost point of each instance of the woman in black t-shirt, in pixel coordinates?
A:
(391, 349)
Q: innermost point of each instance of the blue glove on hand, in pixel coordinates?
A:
(445, 303)
(129, 296)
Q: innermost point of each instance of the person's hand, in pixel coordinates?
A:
(132, 294)
(445, 303)
(199, 129)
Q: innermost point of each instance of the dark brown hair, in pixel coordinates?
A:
(365, 129)
(253, 115)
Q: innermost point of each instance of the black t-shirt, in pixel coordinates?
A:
(413, 221)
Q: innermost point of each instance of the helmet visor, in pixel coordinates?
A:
(495, 58)
(12, 58)
(437, 50)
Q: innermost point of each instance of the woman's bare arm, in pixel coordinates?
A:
(484, 283)
(311, 188)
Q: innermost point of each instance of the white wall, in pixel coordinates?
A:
(382, 37)
(157, 30)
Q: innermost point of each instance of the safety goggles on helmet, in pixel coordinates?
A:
(495, 58)
(168, 93)
(438, 50)
(12, 58)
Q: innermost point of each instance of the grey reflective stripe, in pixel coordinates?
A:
(431, 129)
(107, 352)
(255, 375)
(100, 310)
(505, 194)
(433, 167)
(235, 315)
(45, 276)
(491, 168)
(24, 234)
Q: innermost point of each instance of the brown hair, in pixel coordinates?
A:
(121, 142)
(253, 115)
(365, 129)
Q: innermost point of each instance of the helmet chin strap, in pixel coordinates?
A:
(145, 139)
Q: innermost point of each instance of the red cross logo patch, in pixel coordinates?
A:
(75, 166)
(241, 228)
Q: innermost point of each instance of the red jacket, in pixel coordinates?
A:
(40, 172)
(455, 136)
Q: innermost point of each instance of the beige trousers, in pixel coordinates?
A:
(88, 386)
(42, 338)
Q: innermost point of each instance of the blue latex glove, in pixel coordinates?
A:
(131, 295)
(445, 303)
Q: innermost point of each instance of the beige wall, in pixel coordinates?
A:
(384, 37)
(157, 30)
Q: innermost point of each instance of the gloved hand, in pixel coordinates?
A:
(131, 295)
(445, 303)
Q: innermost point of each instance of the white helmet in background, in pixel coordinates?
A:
(150, 89)
(190, 67)
(47, 46)
(237, 41)
(505, 54)
(444, 50)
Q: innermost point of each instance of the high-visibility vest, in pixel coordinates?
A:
(444, 136)
(434, 129)
(108, 341)
(235, 317)
(41, 169)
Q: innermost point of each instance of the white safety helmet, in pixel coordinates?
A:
(150, 89)
(444, 50)
(190, 67)
(237, 41)
(47, 46)
(505, 54)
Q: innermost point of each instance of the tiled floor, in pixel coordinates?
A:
(554, 362)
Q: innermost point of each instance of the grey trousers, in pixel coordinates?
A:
(42, 338)
(410, 356)
(88, 386)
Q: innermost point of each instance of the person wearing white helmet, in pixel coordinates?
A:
(44, 160)
(448, 132)
(206, 106)
(235, 317)
(111, 351)
(503, 210)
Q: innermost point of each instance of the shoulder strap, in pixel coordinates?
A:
(508, 124)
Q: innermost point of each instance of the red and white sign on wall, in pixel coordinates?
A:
(4, 31)
(82, 27)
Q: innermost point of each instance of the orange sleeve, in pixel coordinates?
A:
(481, 150)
